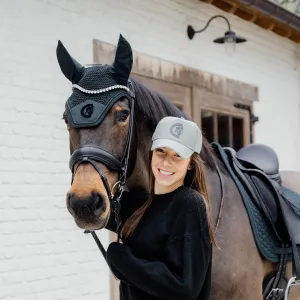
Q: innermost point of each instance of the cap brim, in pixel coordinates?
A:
(183, 151)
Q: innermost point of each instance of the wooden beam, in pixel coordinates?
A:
(253, 19)
(225, 6)
(284, 31)
(295, 38)
(245, 15)
(251, 14)
(207, 1)
(233, 4)
(233, 9)
(265, 23)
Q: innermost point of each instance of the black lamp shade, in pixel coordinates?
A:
(230, 35)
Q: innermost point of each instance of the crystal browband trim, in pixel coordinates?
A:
(114, 87)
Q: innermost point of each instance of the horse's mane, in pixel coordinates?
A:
(152, 106)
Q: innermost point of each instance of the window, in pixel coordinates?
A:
(179, 106)
(225, 129)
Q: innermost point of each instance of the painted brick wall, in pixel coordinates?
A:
(43, 255)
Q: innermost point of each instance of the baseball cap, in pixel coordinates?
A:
(181, 135)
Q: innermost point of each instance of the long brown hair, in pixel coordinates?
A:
(194, 178)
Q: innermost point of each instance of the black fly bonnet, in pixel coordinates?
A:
(95, 90)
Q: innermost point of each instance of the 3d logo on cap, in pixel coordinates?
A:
(176, 130)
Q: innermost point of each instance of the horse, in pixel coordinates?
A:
(111, 117)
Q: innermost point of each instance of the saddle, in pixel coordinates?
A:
(256, 168)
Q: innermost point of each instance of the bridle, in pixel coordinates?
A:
(92, 154)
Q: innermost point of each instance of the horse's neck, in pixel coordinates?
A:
(140, 177)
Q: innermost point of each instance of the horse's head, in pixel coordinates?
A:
(99, 118)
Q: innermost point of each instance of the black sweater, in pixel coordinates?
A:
(169, 255)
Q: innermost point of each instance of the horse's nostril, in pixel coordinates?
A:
(98, 201)
(78, 202)
(99, 204)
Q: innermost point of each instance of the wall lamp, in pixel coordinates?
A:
(230, 39)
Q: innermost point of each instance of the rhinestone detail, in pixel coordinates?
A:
(114, 87)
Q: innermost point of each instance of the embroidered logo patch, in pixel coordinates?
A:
(176, 130)
(87, 110)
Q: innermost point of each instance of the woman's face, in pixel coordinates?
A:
(169, 169)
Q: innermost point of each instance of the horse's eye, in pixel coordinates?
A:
(122, 115)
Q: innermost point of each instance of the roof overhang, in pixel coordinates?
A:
(264, 13)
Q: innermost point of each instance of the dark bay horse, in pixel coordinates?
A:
(238, 268)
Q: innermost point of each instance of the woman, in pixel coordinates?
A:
(167, 241)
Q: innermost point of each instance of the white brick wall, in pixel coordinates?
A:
(43, 255)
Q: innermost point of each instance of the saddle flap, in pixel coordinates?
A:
(259, 188)
(290, 205)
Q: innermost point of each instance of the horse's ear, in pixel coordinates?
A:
(123, 61)
(68, 65)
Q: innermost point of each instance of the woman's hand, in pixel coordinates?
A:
(115, 252)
